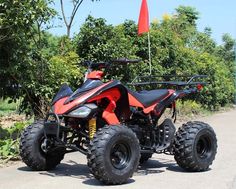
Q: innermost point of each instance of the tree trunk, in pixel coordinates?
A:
(40, 108)
(68, 31)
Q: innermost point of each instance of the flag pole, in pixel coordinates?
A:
(143, 27)
(149, 54)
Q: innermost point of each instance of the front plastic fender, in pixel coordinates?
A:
(118, 109)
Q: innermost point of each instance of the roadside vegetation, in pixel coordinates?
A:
(34, 63)
(11, 125)
(7, 108)
(9, 141)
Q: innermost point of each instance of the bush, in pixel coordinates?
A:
(9, 141)
(6, 106)
(189, 108)
(9, 149)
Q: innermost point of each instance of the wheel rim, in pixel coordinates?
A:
(204, 147)
(120, 155)
(45, 145)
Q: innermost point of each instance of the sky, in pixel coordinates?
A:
(219, 15)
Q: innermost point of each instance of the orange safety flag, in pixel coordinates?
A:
(143, 22)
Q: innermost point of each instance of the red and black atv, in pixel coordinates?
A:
(117, 128)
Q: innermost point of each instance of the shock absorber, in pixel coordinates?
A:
(92, 127)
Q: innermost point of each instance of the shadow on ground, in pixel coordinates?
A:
(81, 171)
(157, 166)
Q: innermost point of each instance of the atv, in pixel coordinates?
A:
(117, 128)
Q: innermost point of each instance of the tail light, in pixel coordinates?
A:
(199, 87)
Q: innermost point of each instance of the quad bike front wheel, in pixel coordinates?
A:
(32, 149)
(113, 154)
(195, 146)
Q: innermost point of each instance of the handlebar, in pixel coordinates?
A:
(99, 65)
(125, 61)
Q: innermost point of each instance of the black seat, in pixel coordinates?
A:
(147, 98)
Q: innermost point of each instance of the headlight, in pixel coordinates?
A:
(83, 112)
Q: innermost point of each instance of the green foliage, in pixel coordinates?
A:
(8, 149)
(8, 105)
(93, 39)
(12, 132)
(65, 69)
(23, 65)
(190, 108)
(18, 17)
(34, 63)
(188, 13)
(9, 141)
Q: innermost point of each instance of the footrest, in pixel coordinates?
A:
(166, 135)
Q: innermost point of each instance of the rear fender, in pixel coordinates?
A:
(160, 107)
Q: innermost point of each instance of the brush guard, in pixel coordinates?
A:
(52, 126)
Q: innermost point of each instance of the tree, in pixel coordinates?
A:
(27, 50)
(227, 51)
(69, 21)
(21, 24)
(188, 13)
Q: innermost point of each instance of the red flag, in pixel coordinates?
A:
(143, 22)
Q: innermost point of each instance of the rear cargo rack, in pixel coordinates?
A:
(171, 81)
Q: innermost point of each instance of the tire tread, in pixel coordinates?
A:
(183, 143)
(95, 154)
(27, 152)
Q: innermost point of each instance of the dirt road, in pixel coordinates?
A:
(159, 172)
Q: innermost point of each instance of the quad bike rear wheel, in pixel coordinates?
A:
(113, 154)
(195, 146)
(31, 149)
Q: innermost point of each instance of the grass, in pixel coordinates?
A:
(190, 108)
(7, 108)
